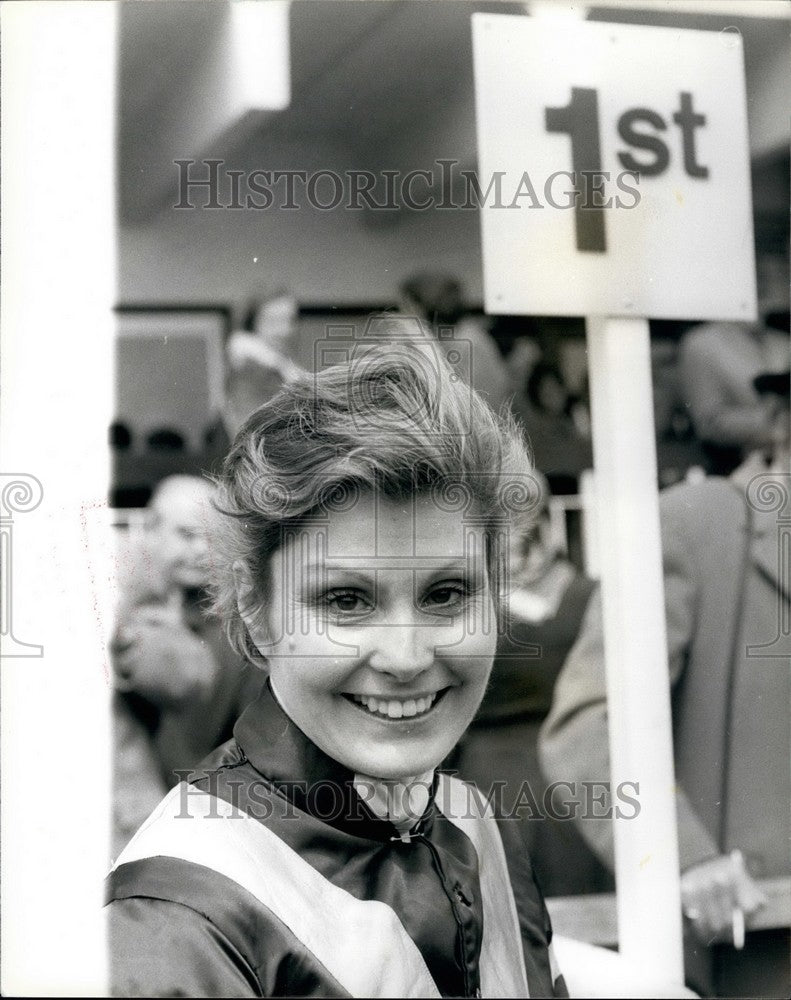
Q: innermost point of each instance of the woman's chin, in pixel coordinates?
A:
(391, 767)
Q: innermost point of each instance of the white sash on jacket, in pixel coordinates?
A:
(502, 966)
(361, 943)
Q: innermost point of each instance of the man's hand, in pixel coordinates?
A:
(717, 895)
(157, 656)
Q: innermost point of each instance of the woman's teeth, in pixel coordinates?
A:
(393, 709)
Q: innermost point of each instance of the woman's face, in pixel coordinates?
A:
(381, 632)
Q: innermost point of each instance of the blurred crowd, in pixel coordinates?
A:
(722, 415)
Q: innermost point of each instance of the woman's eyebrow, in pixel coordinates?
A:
(372, 564)
(360, 567)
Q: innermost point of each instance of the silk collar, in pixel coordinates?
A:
(316, 783)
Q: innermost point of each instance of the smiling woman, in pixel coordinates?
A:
(391, 653)
(362, 530)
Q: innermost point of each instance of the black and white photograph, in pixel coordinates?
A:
(396, 498)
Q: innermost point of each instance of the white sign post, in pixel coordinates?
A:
(615, 184)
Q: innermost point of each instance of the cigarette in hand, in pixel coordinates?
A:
(737, 924)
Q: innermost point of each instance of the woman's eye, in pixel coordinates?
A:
(347, 602)
(446, 598)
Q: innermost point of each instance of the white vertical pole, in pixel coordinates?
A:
(58, 88)
(590, 526)
(638, 693)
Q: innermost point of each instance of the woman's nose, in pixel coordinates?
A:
(403, 650)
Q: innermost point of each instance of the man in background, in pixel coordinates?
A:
(726, 597)
(718, 365)
(178, 686)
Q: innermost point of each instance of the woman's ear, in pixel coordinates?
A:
(248, 605)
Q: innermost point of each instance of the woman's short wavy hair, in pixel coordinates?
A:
(393, 417)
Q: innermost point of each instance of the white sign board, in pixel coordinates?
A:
(613, 169)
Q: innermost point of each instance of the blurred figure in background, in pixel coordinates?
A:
(726, 598)
(438, 299)
(556, 424)
(178, 686)
(546, 603)
(259, 359)
(718, 363)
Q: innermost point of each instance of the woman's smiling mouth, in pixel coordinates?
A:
(396, 708)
